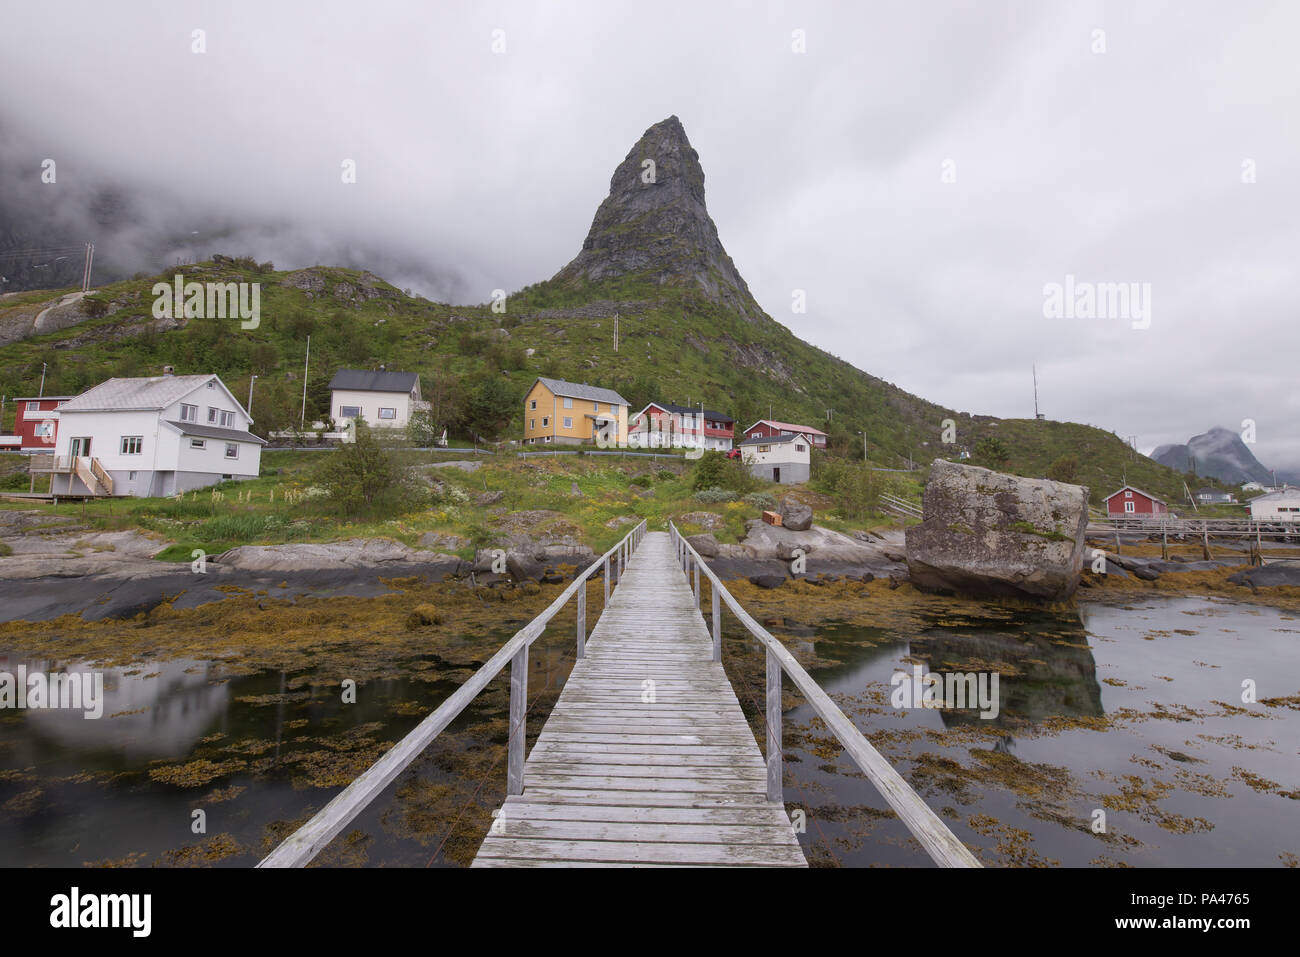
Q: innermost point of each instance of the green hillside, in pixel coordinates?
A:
(674, 345)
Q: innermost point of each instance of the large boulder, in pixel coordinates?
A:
(990, 534)
(705, 544)
(796, 515)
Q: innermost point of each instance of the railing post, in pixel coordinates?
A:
(582, 621)
(697, 583)
(606, 577)
(717, 620)
(518, 708)
(774, 768)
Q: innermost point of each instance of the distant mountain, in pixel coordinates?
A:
(1219, 454)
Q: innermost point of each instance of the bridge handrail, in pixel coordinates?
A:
(298, 849)
(939, 842)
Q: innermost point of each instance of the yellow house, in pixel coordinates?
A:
(571, 413)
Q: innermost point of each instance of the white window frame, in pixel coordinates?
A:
(568, 422)
(34, 406)
(227, 420)
(532, 405)
(189, 413)
(212, 415)
(1130, 507)
(198, 443)
(232, 447)
(387, 413)
(127, 441)
(345, 414)
(568, 402)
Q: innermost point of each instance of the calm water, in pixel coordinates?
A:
(1134, 710)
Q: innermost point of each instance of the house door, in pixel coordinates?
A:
(776, 475)
(80, 446)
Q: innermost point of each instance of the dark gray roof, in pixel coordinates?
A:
(774, 439)
(367, 380)
(215, 432)
(580, 390)
(708, 413)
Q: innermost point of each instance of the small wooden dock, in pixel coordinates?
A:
(646, 758)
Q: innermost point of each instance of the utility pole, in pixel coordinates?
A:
(864, 446)
(302, 420)
(249, 407)
(85, 273)
(41, 394)
(1036, 415)
(616, 332)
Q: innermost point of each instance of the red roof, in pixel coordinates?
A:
(1139, 491)
(788, 427)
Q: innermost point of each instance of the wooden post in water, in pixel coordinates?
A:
(774, 790)
(582, 621)
(1116, 539)
(1164, 540)
(518, 709)
(1205, 540)
(717, 622)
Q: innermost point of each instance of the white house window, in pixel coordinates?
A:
(349, 412)
(227, 419)
(189, 413)
(198, 443)
(131, 444)
(1128, 494)
(568, 403)
(131, 477)
(568, 422)
(388, 413)
(212, 414)
(765, 448)
(232, 450)
(532, 424)
(33, 406)
(546, 420)
(801, 448)
(532, 405)
(1130, 506)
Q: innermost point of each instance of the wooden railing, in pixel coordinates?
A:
(305, 843)
(940, 843)
(105, 480)
(49, 462)
(899, 506)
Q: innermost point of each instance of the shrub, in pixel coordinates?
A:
(715, 494)
(715, 470)
(361, 474)
(763, 500)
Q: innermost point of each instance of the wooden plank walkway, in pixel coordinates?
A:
(623, 778)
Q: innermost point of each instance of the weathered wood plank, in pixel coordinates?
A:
(615, 779)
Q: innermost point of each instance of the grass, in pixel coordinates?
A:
(537, 498)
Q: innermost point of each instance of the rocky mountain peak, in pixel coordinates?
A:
(654, 224)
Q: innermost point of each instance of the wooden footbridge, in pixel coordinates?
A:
(646, 759)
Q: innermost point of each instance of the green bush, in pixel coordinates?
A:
(715, 494)
(715, 470)
(362, 475)
(763, 500)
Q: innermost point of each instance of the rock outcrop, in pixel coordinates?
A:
(654, 224)
(989, 534)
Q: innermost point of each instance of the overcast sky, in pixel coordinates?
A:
(825, 169)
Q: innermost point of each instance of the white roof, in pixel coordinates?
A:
(153, 392)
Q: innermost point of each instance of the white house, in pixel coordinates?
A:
(382, 399)
(1280, 506)
(151, 437)
(785, 458)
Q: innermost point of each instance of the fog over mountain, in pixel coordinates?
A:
(918, 173)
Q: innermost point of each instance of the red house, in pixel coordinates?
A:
(37, 423)
(690, 425)
(1130, 502)
(770, 429)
